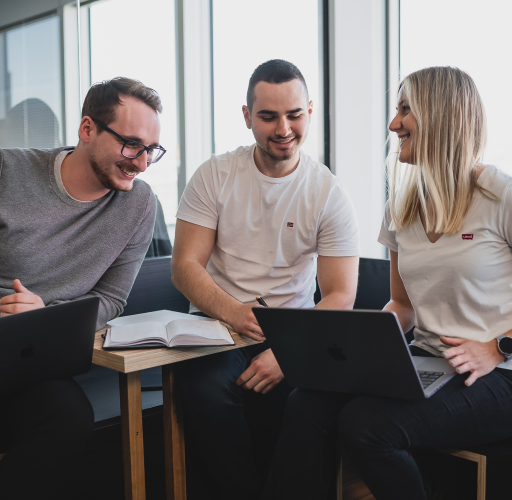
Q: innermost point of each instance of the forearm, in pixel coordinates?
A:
(405, 313)
(337, 300)
(194, 281)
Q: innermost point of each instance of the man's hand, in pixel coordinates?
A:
(263, 373)
(243, 321)
(20, 301)
(479, 358)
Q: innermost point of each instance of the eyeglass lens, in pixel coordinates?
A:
(133, 150)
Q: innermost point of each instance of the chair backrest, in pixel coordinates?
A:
(153, 289)
(373, 289)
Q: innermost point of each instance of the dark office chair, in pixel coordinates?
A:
(153, 289)
(373, 290)
(160, 245)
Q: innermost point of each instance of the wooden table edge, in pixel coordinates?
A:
(131, 360)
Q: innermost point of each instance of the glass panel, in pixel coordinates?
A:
(121, 46)
(247, 33)
(30, 86)
(475, 37)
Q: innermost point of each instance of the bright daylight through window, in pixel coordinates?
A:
(30, 86)
(476, 39)
(120, 47)
(247, 33)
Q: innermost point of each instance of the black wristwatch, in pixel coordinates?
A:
(504, 345)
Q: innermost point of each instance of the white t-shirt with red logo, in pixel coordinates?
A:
(269, 230)
(461, 285)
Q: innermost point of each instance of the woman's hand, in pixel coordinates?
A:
(479, 358)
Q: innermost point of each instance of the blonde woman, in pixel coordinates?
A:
(448, 226)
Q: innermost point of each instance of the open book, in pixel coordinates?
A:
(165, 329)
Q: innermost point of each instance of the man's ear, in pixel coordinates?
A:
(247, 116)
(310, 109)
(85, 129)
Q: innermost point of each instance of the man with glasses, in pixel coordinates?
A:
(74, 223)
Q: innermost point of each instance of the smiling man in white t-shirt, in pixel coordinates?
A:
(258, 221)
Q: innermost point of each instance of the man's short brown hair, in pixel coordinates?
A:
(103, 98)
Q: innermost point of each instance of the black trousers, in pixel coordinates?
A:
(233, 430)
(43, 430)
(378, 434)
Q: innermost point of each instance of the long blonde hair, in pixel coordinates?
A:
(446, 149)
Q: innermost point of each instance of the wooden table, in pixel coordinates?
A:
(129, 363)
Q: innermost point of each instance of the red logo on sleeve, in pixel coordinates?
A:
(467, 236)
(289, 224)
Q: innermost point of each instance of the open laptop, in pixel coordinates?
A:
(45, 344)
(358, 352)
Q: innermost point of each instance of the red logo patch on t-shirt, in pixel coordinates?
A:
(467, 236)
(289, 224)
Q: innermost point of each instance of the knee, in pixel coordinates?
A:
(364, 428)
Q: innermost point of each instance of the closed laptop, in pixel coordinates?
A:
(356, 352)
(46, 344)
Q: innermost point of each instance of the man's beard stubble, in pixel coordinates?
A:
(268, 150)
(105, 179)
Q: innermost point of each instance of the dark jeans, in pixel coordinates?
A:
(218, 417)
(378, 435)
(43, 430)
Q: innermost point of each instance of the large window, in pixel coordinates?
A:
(126, 48)
(247, 33)
(199, 56)
(30, 85)
(475, 36)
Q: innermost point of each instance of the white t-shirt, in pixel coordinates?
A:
(58, 177)
(269, 230)
(461, 285)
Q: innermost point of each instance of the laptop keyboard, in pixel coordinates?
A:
(428, 378)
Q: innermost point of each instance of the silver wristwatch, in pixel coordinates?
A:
(504, 345)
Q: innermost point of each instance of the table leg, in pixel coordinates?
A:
(133, 440)
(174, 440)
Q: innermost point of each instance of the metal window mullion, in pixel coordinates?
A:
(212, 79)
(63, 117)
(79, 44)
(325, 78)
(180, 101)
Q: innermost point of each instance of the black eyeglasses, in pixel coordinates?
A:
(133, 149)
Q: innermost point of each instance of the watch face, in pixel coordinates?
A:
(506, 345)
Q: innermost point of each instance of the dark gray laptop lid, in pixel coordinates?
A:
(45, 344)
(358, 352)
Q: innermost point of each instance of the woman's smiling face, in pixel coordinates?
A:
(405, 126)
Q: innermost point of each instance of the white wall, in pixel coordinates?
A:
(358, 110)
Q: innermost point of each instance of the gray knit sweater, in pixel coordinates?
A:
(63, 249)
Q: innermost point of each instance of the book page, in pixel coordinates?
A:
(128, 334)
(163, 317)
(210, 329)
